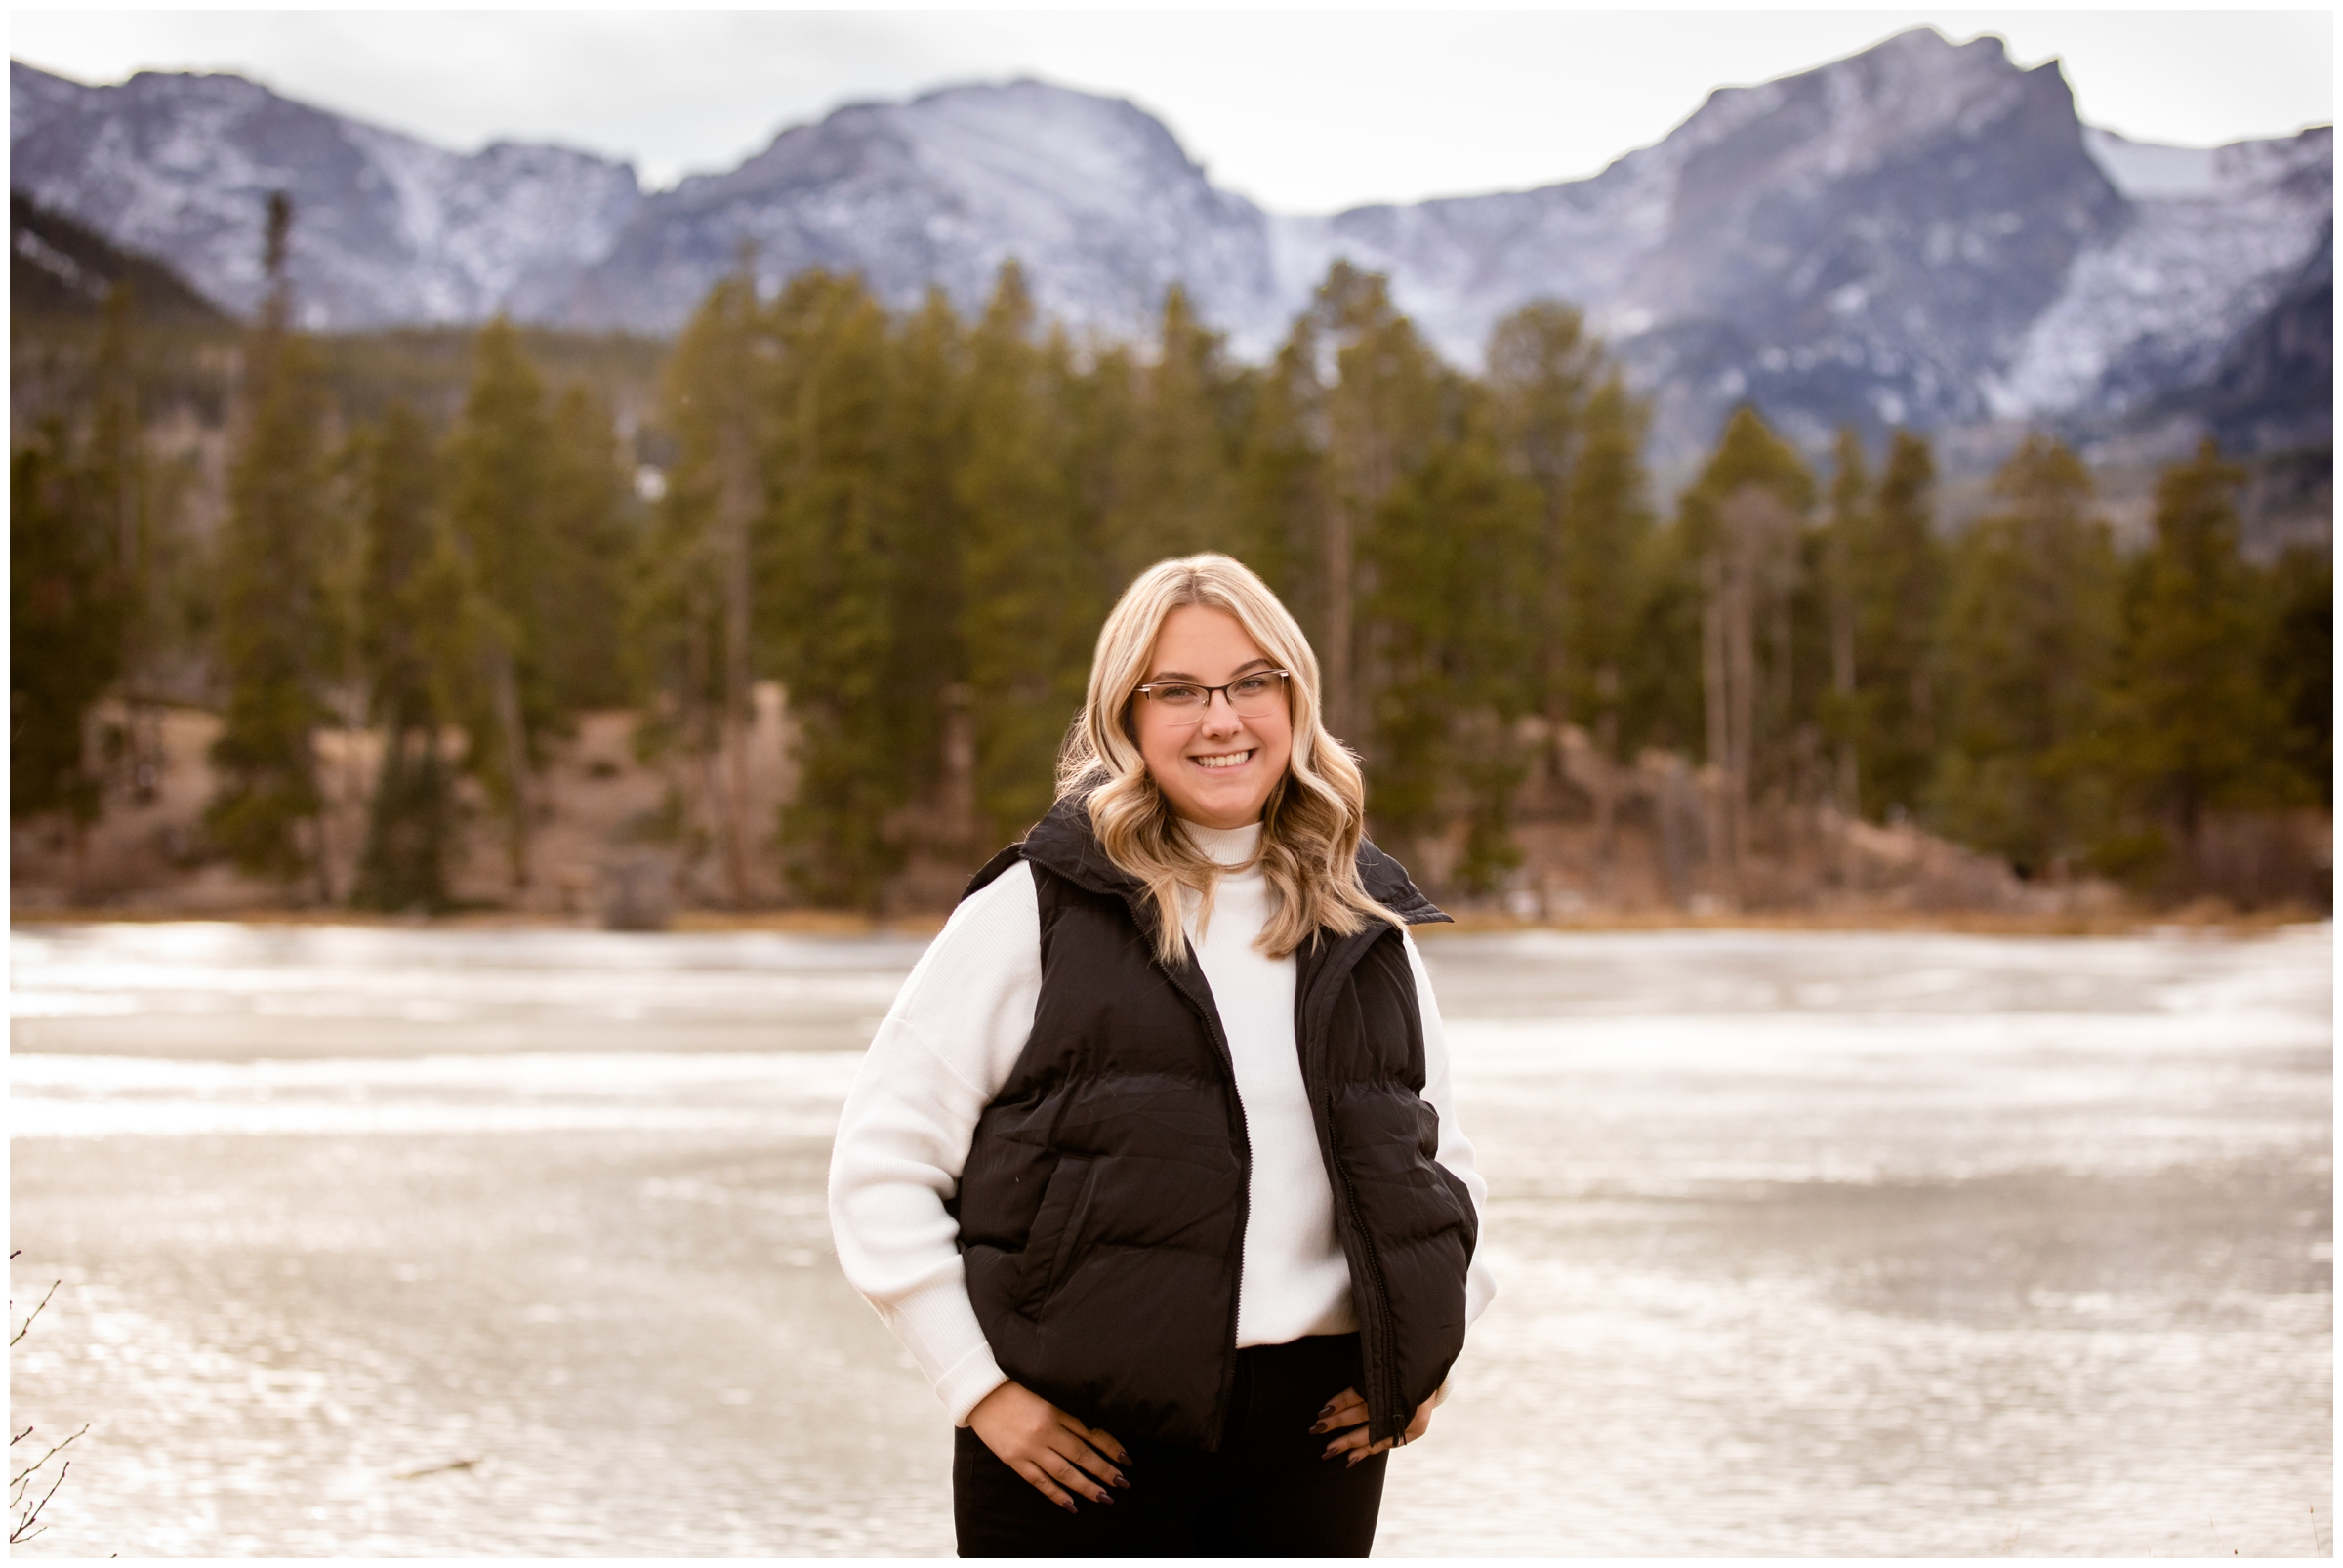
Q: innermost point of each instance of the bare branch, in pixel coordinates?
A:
(23, 1529)
(19, 1477)
(436, 1469)
(36, 1312)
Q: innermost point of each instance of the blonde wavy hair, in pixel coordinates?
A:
(1315, 816)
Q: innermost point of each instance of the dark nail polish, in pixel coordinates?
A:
(1105, 1498)
(1327, 1409)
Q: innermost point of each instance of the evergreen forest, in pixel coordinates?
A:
(913, 521)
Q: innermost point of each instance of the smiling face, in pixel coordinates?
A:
(1217, 772)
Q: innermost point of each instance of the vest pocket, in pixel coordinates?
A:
(1056, 1228)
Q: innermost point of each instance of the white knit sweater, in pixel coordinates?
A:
(948, 1044)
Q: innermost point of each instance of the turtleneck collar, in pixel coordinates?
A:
(1224, 847)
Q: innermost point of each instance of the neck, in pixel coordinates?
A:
(1224, 847)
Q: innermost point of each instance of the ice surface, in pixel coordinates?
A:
(401, 1242)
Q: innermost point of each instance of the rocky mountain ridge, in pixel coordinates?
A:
(1924, 233)
(392, 229)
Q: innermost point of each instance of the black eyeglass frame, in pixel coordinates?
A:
(1148, 690)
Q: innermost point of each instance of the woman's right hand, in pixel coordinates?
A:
(1047, 1447)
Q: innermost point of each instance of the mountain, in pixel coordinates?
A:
(1092, 194)
(1867, 241)
(1920, 234)
(388, 228)
(57, 268)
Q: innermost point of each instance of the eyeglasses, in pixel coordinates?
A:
(1184, 702)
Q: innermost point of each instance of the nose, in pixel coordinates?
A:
(1220, 715)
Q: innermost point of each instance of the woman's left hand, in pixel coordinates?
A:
(1347, 1409)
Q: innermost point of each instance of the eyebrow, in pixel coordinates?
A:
(1237, 673)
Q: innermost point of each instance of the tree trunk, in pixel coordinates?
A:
(1606, 801)
(960, 770)
(1741, 685)
(736, 677)
(1339, 716)
(1716, 704)
(1842, 681)
(319, 852)
(507, 695)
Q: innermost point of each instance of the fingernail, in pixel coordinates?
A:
(1105, 1498)
(1327, 1409)
(1318, 1426)
(1068, 1507)
(1120, 1482)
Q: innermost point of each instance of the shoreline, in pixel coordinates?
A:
(2206, 920)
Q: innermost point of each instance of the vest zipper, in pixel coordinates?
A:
(1208, 1010)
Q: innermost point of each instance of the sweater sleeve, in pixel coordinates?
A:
(943, 1051)
(1455, 1149)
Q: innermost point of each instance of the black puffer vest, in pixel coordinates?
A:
(1102, 1209)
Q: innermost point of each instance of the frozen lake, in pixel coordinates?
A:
(436, 1242)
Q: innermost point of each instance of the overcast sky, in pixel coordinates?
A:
(1301, 110)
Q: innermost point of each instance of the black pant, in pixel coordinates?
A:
(1265, 1494)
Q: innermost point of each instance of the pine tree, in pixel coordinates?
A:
(2024, 648)
(1609, 527)
(499, 463)
(837, 551)
(2194, 727)
(405, 617)
(84, 532)
(2298, 669)
(1738, 532)
(1894, 567)
(1028, 596)
(276, 633)
(694, 610)
(1850, 521)
(1453, 559)
(926, 443)
(124, 501)
(1541, 371)
(65, 616)
(587, 544)
(1569, 427)
(1174, 479)
(1604, 559)
(1096, 397)
(1382, 413)
(1281, 478)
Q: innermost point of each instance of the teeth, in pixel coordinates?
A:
(1224, 759)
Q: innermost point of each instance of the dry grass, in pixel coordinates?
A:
(2209, 918)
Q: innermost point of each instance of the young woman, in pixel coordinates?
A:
(1152, 1166)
